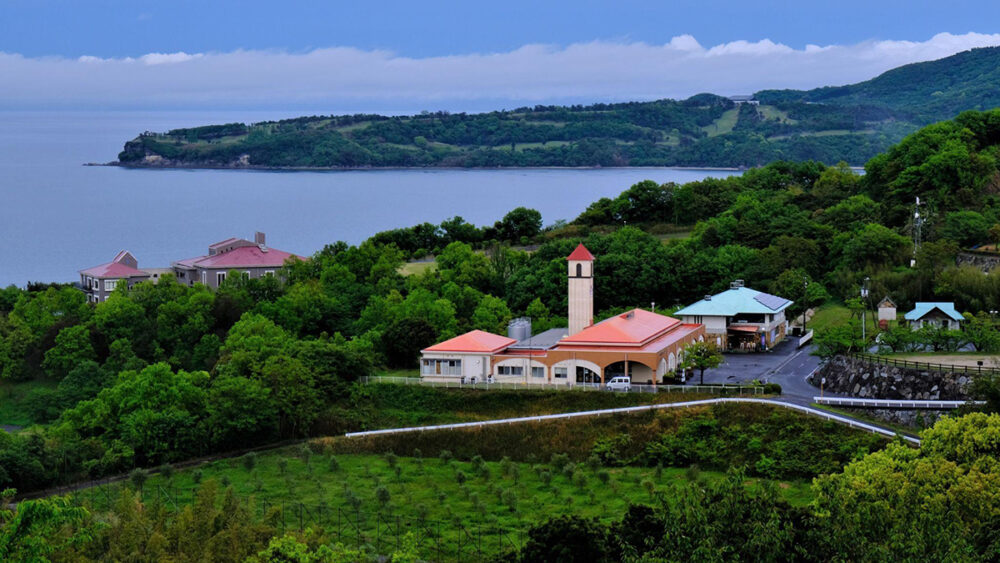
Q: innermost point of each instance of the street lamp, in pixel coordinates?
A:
(864, 299)
(805, 309)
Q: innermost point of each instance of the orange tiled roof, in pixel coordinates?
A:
(633, 328)
(472, 342)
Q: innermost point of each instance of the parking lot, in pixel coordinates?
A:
(785, 364)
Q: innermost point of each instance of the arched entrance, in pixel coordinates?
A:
(637, 372)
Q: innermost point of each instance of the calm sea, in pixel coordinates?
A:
(57, 216)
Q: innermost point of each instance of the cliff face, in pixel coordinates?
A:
(139, 153)
(983, 261)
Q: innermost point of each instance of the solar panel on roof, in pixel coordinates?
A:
(772, 302)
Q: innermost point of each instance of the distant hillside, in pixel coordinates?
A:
(926, 92)
(846, 123)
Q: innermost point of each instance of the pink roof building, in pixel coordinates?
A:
(100, 281)
(252, 258)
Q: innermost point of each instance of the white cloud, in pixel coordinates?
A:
(344, 77)
(168, 58)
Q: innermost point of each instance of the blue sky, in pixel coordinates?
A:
(427, 28)
(393, 56)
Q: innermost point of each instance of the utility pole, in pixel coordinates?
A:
(918, 222)
(805, 307)
(864, 309)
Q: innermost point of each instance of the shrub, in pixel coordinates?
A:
(138, 478)
(250, 461)
(383, 496)
(334, 465)
(167, 471)
(772, 389)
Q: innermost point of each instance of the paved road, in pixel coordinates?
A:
(785, 364)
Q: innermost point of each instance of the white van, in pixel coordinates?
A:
(620, 383)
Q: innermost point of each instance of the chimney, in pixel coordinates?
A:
(736, 284)
(258, 238)
(708, 298)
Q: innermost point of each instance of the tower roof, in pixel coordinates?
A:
(581, 253)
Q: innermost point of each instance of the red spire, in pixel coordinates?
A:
(581, 253)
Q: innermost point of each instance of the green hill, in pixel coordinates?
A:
(845, 123)
(927, 92)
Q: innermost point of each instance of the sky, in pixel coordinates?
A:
(399, 57)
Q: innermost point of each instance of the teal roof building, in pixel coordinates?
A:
(740, 318)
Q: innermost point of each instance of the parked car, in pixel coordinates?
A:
(620, 383)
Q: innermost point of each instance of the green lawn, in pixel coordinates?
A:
(827, 316)
(674, 236)
(411, 268)
(411, 372)
(440, 500)
(771, 112)
(13, 395)
(724, 124)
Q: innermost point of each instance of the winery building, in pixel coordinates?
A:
(643, 345)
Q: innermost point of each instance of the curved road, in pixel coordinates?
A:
(785, 404)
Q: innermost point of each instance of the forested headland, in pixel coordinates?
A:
(849, 123)
(165, 372)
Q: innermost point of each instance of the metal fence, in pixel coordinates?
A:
(380, 531)
(925, 366)
(738, 390)
(892, 403)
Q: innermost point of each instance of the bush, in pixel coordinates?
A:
(772, 389)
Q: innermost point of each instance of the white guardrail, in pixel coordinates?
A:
(808, 410)
(891, 403)
(635, 387)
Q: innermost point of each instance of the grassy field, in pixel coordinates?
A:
(771, 112)
(13, 408)
(411, 372)
(443, 501)
(411, 268)
(969, 359)
(674, 236)
(829, 315)
(724, 124)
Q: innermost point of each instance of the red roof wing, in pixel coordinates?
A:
(477, 341)
(242, 257)
(581, 253)
(634, 327)
(113, 270)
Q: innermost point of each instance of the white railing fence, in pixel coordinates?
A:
(739, 390)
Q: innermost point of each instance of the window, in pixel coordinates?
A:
(696, 319)
(268, 272)
(559, 373)
(220, 277)
(537, 372)
(246, 274)
(109, 285)
(579, 270)
(510, 370)
(441, 367)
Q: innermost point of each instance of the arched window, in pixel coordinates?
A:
(579, 270)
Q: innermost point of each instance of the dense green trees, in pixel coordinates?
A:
(272, 357)
(938, 502)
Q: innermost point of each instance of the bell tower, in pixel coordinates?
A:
(581, 289)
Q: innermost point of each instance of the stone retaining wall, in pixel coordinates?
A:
(983, 261)
(869, 380)
(911, 418)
